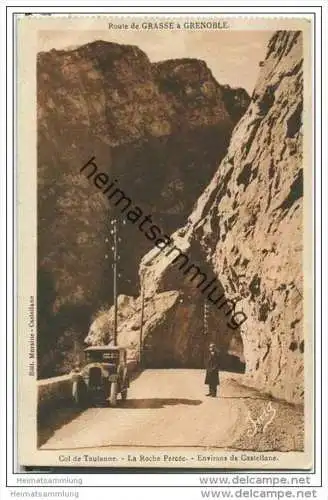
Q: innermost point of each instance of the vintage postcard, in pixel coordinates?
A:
(165, 275)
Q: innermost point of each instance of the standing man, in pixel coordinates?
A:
(212, 371)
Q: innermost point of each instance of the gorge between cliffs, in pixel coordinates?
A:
(220, 173)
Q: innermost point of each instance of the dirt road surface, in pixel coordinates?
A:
(169, 408)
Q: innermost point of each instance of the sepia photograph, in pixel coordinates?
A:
(168, 320)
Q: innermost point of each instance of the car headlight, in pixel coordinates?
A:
(76, 367)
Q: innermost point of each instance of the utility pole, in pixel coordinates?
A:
(114, 233)
(205, 319)
(205, 327)
(141, 319)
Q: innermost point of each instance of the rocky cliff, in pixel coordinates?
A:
(159, 129)
(246, 229)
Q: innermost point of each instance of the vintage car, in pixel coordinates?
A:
(102, 378)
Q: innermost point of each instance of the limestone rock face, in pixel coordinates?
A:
(159, 129)
(246, 228)
(250, 222)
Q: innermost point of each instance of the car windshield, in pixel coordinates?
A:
(98, 356)
(110, 356)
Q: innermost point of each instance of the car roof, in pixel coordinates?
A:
(104, 348)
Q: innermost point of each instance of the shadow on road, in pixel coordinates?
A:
(262, 398)
(158, 403)
(56, 416)
(54, 419)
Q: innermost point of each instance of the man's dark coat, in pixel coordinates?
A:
(212, 370)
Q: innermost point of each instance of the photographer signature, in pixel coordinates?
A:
(261, 423)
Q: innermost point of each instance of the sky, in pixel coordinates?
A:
(232, 56)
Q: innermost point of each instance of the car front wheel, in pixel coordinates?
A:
(113, 394)
(79, 393)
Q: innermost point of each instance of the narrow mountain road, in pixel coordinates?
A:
(169, 408)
